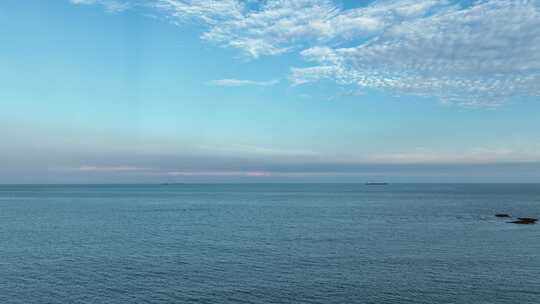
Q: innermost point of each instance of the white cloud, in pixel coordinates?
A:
(276, 26)
(110, 5)
(242, 82)
(209, 11)
(483, 52)
(479, 55)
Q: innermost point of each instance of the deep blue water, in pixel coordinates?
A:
(329, 243)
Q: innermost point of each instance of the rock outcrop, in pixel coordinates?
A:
(525, 221)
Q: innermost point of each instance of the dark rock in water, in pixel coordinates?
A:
(502, 215)
(525, 221)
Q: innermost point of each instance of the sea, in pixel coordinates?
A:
(269, 243)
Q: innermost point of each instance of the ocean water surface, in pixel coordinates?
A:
(269, 243)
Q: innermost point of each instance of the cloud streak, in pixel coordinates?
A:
(474, 53)
(112, 6)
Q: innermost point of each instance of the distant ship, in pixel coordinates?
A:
(376, 184)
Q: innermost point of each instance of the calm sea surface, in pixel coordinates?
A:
(332, 243)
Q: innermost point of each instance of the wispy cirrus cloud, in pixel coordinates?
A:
(259, 28)
(242, 82)
(478, 53)
(110, 5)
(208, 11)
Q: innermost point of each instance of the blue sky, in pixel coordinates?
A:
(257, 91)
